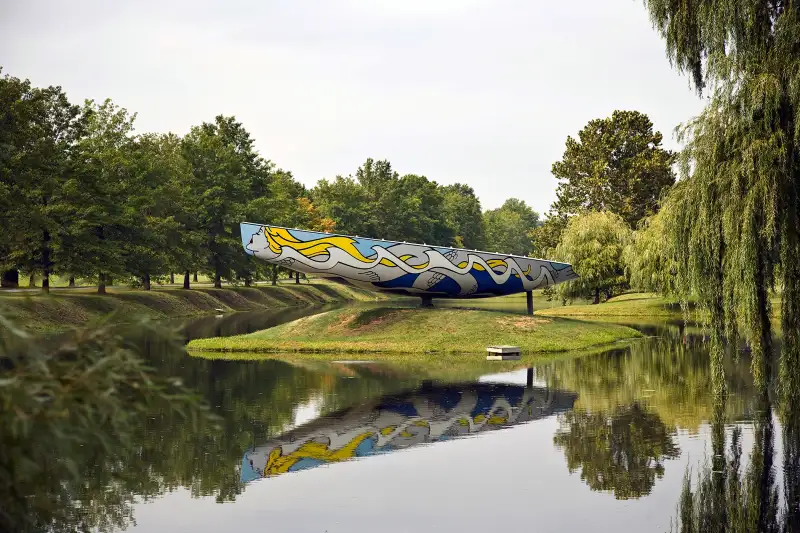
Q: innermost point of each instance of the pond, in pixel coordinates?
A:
(598, 442)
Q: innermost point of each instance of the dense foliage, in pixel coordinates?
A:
(617, 164)
(734, 230)
(593, 244)
(69, 411)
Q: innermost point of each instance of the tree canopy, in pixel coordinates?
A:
(593, 243)
(509, 227)
(617, 164)
(734, 230)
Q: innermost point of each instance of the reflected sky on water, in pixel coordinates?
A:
(600, 442)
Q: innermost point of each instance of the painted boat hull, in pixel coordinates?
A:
(400, 267)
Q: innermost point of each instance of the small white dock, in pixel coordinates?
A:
(503, 353)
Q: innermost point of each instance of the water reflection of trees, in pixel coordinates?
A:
(727, 497)
(631, 402)
(620, 451)
(670, 375)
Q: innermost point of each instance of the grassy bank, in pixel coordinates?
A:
(63, 309)
(396, 330)
(625, 305)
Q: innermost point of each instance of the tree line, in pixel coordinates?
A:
(82, 195)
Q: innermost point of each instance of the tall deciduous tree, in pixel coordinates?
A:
(223, 162)
(39, 129)
(93, 203)
(616, 164)
(593, 244)
(509, 227)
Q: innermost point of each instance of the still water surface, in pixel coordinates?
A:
(600, 442)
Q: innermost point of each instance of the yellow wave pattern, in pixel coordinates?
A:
(277, 238)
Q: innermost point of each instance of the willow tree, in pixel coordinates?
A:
(743, 192)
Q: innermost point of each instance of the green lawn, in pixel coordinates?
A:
(400, 330)
(632, 304)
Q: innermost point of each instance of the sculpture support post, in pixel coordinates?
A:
(529, 378)
(529, 298)
(427, 301)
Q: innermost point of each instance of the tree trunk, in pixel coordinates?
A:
(195, 277)
(596, 296)
(274, 274)
(217, 274)
(72, 281)
(186, 280)
(46, 265)
(32, 280)
(101, 284)
(291, 274)
(146, 282)
(10, 279)
(247, 281)
(172, 278)
(109, 280)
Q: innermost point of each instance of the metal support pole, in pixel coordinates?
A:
(529, 380)
(427, 301)
(529, 298)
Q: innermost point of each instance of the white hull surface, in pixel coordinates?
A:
(400, 267)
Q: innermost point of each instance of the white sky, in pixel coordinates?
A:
(483, 92)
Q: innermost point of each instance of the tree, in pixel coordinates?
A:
(509, 227)
(39, 130)
(96, 219)
(379, 203)
(738, 222)
(462, 213)
(345, 201)
(622, 451)
(648, 265)
(593, 244)
(155, 195)
(223, 162)
(616, 164)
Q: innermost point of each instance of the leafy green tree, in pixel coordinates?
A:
(622, 451)
(593, 244)
(738, 222)
(545, 236)
(380, 203)
(616, 164)
(39, 130)
(156, 238)
(225, 166)
(509, 227)
(345, 201)
(648, 265)
(462, 213)
(97, 220)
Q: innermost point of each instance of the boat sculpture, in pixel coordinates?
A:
(429, 414)
(402, 267)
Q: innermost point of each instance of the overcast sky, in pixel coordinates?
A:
(482, 92)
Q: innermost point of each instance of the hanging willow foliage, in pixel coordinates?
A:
(733, 221)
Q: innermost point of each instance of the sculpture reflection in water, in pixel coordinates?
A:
(430, 414)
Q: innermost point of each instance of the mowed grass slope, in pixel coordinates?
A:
(64, 309)
(404, 330)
